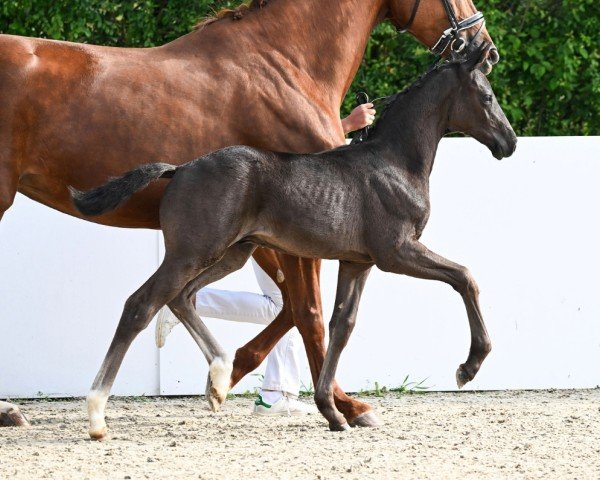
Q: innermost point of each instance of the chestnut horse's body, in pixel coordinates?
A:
(74, 114)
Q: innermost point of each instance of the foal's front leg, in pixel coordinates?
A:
(303, 286)
(298, 279)
(351, 281)
(416, 260)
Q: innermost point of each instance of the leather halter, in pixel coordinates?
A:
(450, 37)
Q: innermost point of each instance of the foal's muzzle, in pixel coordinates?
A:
(504, 146)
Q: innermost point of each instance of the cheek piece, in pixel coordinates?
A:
(451, 36)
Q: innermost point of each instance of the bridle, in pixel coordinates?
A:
(450, 37)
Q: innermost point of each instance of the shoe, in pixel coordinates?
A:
(165, 322)
(285, 406)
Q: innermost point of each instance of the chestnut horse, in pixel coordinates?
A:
(74, 114)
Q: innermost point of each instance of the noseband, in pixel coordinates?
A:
(450, 37)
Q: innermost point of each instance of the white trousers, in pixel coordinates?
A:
(283, 362)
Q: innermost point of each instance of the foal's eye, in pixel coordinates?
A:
(487, 98)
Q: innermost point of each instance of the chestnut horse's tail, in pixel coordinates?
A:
(109, 196)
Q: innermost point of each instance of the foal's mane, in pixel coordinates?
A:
(419, 82)
(236, 13)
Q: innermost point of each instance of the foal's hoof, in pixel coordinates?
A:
(462, 376)
(11, 416)
(217, 383)
(214, 399)
(367, 419)
(336, 427)
(99, 434)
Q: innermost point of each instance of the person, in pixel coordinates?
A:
(281, 384)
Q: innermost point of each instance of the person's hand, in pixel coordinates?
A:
(360, 117)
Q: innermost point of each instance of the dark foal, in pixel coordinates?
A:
(364, 205)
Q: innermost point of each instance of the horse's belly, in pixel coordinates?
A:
(141, 211)
(313, 244)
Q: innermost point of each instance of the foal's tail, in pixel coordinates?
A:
(109, 196)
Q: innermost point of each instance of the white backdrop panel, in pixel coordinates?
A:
(526, 226)
(63, 283)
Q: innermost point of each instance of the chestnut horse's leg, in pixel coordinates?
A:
(351, 281)
(9, 179)
(416, 260)
(302, 304)
(304, 290)
(168, 281)
(10, 415)
(251, 355)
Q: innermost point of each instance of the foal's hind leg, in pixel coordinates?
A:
(416, 260)
(139, 309)
(219, 376)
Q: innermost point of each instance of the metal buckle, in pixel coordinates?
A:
(458, 45)
(451, 38)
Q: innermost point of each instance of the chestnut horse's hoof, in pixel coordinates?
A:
(462, 376)
(336, 427)
(367, 419)
(11, 416)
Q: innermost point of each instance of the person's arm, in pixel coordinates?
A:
(360, 117)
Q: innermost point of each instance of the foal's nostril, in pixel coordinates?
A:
(493, 56)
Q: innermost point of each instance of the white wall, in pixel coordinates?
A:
(527, 227)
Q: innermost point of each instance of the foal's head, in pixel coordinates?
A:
(474, 110)
(427, 20)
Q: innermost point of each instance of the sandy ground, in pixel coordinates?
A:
(433, 435)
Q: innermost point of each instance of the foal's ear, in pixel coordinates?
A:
(475, 56)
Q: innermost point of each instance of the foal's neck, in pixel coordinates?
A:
(324, 39)
(411, 131)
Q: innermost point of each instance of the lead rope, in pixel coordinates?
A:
(362, 134)
(362, 97)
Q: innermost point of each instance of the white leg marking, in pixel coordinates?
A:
(280, 276)
(220, 376)
(96, 404)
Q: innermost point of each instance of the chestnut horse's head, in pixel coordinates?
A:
(445, 26)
